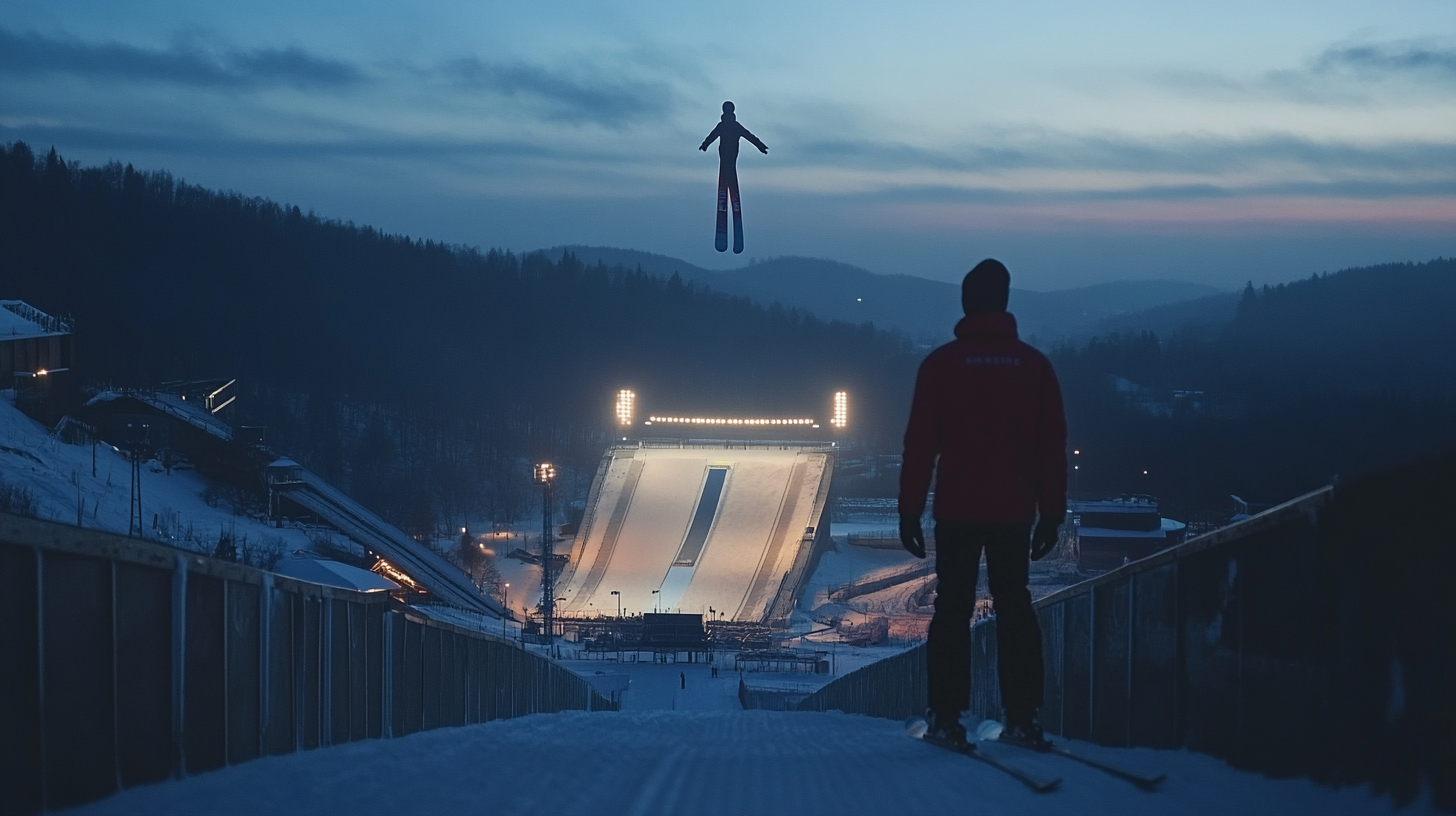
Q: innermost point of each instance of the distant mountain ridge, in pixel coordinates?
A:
(925, 310)
(1203, 318)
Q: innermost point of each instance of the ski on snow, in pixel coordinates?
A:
(916, 727)
(1147, 783)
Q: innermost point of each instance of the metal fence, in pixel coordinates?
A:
(1315, 639)
(893, 688)
(127, 662)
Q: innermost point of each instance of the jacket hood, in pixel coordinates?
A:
(1003, 323)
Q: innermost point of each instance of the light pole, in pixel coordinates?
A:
(1077, 471)
(655, 596)
(712, 616)
(506, 602)
(619, 603)
(563, 632)
(545, 475)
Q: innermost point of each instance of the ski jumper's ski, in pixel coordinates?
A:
(1146, 783)
(991, 731)
(737, 224)
(916, 728)
(720, 241)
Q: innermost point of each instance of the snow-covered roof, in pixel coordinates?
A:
(20, 319)
(12, 324)
(333, 573)
(1139, 506)
(1167, 526)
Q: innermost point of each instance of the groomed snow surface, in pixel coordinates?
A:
(710, 762)
(682, 745)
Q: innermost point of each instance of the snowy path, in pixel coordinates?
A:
(708, 762)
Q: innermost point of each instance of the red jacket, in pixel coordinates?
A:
(990, 407)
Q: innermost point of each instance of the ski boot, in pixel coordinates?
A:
(945, 727)
(1024, 730)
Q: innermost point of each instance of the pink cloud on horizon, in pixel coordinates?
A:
(1241, 214)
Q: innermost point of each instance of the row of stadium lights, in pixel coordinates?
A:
(627, 404)
(724, 421)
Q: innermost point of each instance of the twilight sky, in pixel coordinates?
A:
(1219, 143)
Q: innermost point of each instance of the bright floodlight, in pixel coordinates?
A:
(545, 472)
(626, 402)
(672, 420)
(840, 416)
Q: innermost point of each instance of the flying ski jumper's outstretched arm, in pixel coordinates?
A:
(762, 148)
(717, 132)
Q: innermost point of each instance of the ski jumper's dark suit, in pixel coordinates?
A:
(728, 133)
(989, 406)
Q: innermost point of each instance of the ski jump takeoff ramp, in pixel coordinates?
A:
(699, 528)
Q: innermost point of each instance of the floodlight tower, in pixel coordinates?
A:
(839, 414)
(626, 408)
(545, 475)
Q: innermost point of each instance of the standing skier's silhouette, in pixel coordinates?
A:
(727, 133)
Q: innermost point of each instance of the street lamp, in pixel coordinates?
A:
(1077, 471)
(619, 602)
(563, 631)
(545, 475)
(655, 596)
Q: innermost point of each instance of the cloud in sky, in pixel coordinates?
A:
(32, 55)
(1369, 74)
(1179, 153)
(592, 95)
(890, 122)
(1413, 59)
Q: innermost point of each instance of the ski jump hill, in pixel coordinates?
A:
(731, 527)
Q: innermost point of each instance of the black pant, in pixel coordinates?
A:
(958, 547)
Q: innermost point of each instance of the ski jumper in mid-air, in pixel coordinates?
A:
(727, 133)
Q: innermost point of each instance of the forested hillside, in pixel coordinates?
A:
(1333, 375)
(923, 309)
(424, 378)
(419, 376)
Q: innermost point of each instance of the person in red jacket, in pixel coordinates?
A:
(987, 420)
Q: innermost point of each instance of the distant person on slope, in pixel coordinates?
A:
(727, 133)
(989, 406)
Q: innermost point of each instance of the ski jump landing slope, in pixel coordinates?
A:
(731, 530)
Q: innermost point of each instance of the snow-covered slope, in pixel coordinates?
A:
(709, 762)
(177, 507)
(637, 534)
